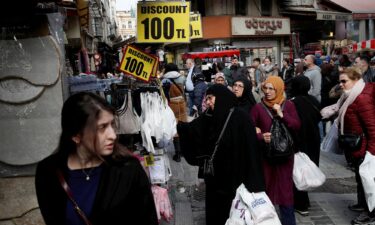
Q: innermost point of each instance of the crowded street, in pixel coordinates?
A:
(191, 112)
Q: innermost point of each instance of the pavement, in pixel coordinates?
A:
(329, 203)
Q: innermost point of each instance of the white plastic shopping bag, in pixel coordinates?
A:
(367, 173)
(306, 175)
(330, 141)
(260, 206)
(239, 212)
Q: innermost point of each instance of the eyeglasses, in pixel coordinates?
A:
(238, 85)
(343, 81)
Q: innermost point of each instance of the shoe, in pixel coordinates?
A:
(364, 219)
(302, 212)
(356, 208)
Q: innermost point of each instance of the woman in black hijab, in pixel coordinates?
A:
(308, 140)
(237, 160)
(242, 89)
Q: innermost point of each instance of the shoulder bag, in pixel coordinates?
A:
(281, 145)
(69, 193)
(208, 166)
(351, 142)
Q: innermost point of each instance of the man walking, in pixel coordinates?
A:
(189, 85)
(313, 73)
(368, 73)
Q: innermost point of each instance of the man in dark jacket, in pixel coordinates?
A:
(368, 73)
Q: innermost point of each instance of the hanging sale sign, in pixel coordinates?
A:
(138, 63)
(195, 26)
(159, 22)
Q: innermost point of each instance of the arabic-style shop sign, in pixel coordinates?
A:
(160, 22)
(263, 26)
(138, 63)
(195, 26)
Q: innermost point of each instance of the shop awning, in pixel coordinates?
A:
(217, 54)
(362, 46)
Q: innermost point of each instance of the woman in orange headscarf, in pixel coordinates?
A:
(278, 175)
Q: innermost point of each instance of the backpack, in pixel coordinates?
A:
(282, 144)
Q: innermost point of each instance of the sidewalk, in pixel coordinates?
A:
(328, 203)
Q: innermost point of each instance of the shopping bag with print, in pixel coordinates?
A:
(306, 175)
(260, 206)
(367, 173)
(330, 141)
(239, 212)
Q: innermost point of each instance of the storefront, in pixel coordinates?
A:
(258, 37)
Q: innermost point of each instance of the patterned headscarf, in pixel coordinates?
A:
(278, 84)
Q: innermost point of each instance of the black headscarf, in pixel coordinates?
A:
(247, 100)
(300, 86)
(224, 101)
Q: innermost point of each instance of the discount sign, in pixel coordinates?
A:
(159, 22)
(138, 63)
(195, 26)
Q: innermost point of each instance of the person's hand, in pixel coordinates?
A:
(258, 130)
(278, 110)
(267, 137)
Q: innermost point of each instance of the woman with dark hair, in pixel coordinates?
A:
(243, 91)
(308, 138)
(237, 158)
(278, 175)
(106, 182)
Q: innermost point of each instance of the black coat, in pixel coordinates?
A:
(308, 109)
(238, 159)
(124, 193)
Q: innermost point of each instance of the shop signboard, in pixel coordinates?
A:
(260, 26)
(163, 22)
(138, 63)
(195, 26)
(334, 16)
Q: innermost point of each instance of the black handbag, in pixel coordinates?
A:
(282, 144)
(208, 164)
(351, 142)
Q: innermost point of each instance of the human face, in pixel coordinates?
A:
(189, 63)
(234, 61)
(269, 91)
(345, 82)
(220, 80)
(210, 101)
(267, 61)
(307, 61)
(357, 61)
(238, 88)
(99, 143)
(255, 64)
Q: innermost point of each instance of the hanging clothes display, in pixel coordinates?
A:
(128, 119)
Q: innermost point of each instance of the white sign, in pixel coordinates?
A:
(334, 16)
(260, 26)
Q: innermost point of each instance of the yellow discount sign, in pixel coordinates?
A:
(138, 63)
(195, 26)
(159, 22)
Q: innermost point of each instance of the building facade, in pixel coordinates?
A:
(127, 23)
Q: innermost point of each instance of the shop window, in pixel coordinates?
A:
(241, 7)
(266, 7)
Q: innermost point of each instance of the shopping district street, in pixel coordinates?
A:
(155, 65)
(328, 203)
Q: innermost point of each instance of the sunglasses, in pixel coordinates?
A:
(343, 81)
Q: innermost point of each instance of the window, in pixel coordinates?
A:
(266, 7)
(130, 24)
(241, 7)
(123, 26)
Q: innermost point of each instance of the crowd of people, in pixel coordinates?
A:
(229, 138)
(293, 94)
